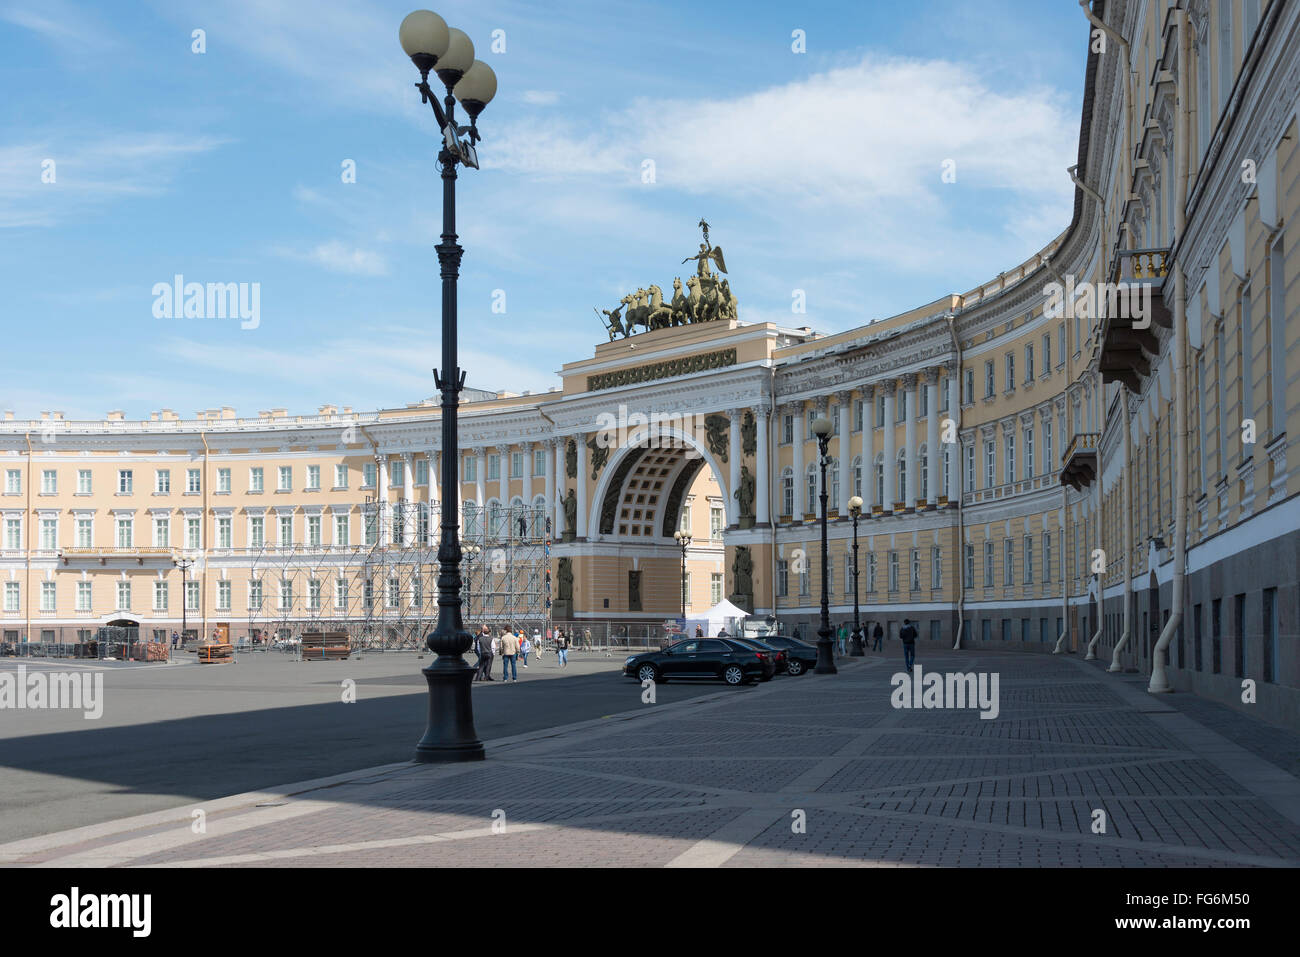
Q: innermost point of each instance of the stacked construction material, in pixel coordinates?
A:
(215, 653)
(325, 645)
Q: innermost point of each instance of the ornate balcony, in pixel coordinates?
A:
(1131, 310)
(1079, 464)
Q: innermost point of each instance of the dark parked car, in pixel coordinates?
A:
(761, 644)
(727, 659)
(800, 657)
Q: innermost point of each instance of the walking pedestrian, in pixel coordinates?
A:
(908, 637)
(842, 636)
(699, 632)
(586, 639)
(477, 648)
(509, 653)
(525, 646)
(538, 644)
(175, 639)
(490, 645)
(562, 648)
(876, 635)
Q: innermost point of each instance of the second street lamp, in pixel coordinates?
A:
(821, 428)
(684, 540)
(433, 46)
(855, 511)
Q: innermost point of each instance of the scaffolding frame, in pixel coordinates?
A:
(384, 593)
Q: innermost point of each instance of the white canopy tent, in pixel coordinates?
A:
(722, 615)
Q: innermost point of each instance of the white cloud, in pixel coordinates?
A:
(541, 97)
(339, 257)
(89, 171)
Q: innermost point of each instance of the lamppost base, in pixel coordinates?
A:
(825, 658)
(856, 648)
(450, 736)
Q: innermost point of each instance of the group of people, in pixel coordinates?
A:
(511, 644)
(907, 635)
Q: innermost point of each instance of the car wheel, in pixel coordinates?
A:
(647, 673)
(733, 675)
(794, 667)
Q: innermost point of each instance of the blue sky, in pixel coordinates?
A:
(817, 171)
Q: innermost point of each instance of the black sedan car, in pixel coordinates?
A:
(800, 657)
(716, 658)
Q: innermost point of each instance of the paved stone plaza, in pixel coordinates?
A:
(726, 779)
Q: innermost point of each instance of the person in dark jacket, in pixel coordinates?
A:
(908, 637)
(876, 635)
(483, 648)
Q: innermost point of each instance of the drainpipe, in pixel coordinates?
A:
(1159, 657)
(1101, 525)
(1085, 6)
(1101, 231)
(959, 575)
(1065, 577)
(1127, 492)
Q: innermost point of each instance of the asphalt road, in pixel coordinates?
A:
(176, 733)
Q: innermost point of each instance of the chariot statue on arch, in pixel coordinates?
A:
(707, 297)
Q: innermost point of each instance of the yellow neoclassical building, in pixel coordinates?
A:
(1089, 453)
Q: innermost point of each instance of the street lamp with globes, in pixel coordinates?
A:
(449, 54)
(683, 539)
(821, 428)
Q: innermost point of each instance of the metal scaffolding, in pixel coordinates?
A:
(384, 593)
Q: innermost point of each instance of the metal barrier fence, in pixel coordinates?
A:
(613, 637)
(102, 647)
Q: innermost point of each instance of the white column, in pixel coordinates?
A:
(582, 485)
(480, 478)
(913, 490)
(954, 453)
(762, 492)
(800, 480)
(548, 482)
(408, 499)
(381, 501)
(556, 478)
(504, 494)
(733, 465)
(891, 467)
(526, 450)
(845, 453)
(933, 459)
(432, 499)
(868, 448)
(454, 506)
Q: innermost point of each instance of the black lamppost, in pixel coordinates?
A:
(684, 540)
(184, 564)
(821, 428)
(432, 46)
(855, 512)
